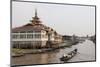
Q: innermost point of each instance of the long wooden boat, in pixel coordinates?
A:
(69, 55)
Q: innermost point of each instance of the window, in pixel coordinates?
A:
(43, 36)
(22, 36)
(29, 35)
(15, 36)
(37, 35)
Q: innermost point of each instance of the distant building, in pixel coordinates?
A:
(34, 35)
(74, 37)
(66, 37)
(93, 38)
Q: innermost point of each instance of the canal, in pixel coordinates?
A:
(86, 52)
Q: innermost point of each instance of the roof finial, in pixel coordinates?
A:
(35, 12)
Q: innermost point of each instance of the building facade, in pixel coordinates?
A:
(34, 35)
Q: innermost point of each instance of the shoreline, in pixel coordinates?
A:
(21, 52)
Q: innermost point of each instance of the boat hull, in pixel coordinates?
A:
(71, 55)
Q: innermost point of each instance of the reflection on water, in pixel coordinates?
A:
(86, 52)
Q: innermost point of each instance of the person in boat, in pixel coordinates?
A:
(64, 55)
(72, 52)
(75, 50)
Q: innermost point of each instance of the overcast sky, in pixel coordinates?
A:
(65, 19)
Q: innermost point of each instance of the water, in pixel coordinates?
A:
(86, 52)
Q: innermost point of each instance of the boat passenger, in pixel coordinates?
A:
(75, 50)
(64, 55)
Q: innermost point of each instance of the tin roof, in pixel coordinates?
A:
(30, 27)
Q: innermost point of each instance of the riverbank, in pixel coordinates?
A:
(22, 52)
(32, 51)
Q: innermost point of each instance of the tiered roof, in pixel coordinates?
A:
(35, 25)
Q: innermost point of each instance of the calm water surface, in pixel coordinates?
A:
(86, 52)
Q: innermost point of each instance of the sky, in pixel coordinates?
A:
(65, 19)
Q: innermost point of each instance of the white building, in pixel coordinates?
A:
(33, 35)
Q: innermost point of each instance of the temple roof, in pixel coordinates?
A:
(35, 25)
(35, 19)
(30, 27)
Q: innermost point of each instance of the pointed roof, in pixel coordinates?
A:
(35, 12)
(35, 19)
(35, 25)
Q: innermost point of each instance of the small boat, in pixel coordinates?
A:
(69, 55)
